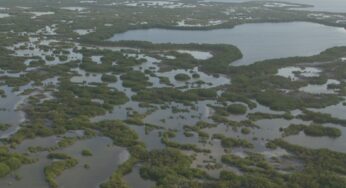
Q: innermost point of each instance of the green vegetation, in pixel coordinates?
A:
(182, 77)
(251, 163)
(108, 78)
(116, 179)
(164, 80)
(169, 167)
(73, 105)
(319, 130)
(318, 117)
(66, 142)
(135, 80)
(108, 58)
(161, 95)
(9, 62)
(65, 89)
(322, 167)
(281, 93)
(166, 140)
(204, 136)
(219, 63)
(57, 167)
(2, 93)
(10, 161)
(63, 143)
(4, 127)
(86, 152)
(4, 170)
(312, 130)
(245, 130)
(118, 132)
(228, 142)
(260, 115)
(122, 135)
(236, 109)
(293, 129)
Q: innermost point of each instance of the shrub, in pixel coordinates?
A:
(236, 109)
(182, 77)
(86, 152)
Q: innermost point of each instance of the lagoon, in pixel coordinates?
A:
(256, 41)
(316, 5)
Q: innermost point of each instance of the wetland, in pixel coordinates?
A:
(117, 94)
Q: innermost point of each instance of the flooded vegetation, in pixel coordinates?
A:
(172, 94)
(276, 40)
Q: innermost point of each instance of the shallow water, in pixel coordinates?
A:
(134, 179)
(32, 175)
(334, 144)
(32, 49)
(106, 158)
(320, 89)
(104, 161)
(290, 72)
(120, 112)
(4, 15)
(37, 14)
(256, 41)
(318, 5)
(337, 111)
(83, 31)
(197, 54)
(74, 8)
(323, 5)
(10, 112)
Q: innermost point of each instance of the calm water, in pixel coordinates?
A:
(256, 41)
(104, 161)
(318, 5)
(323, 5)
